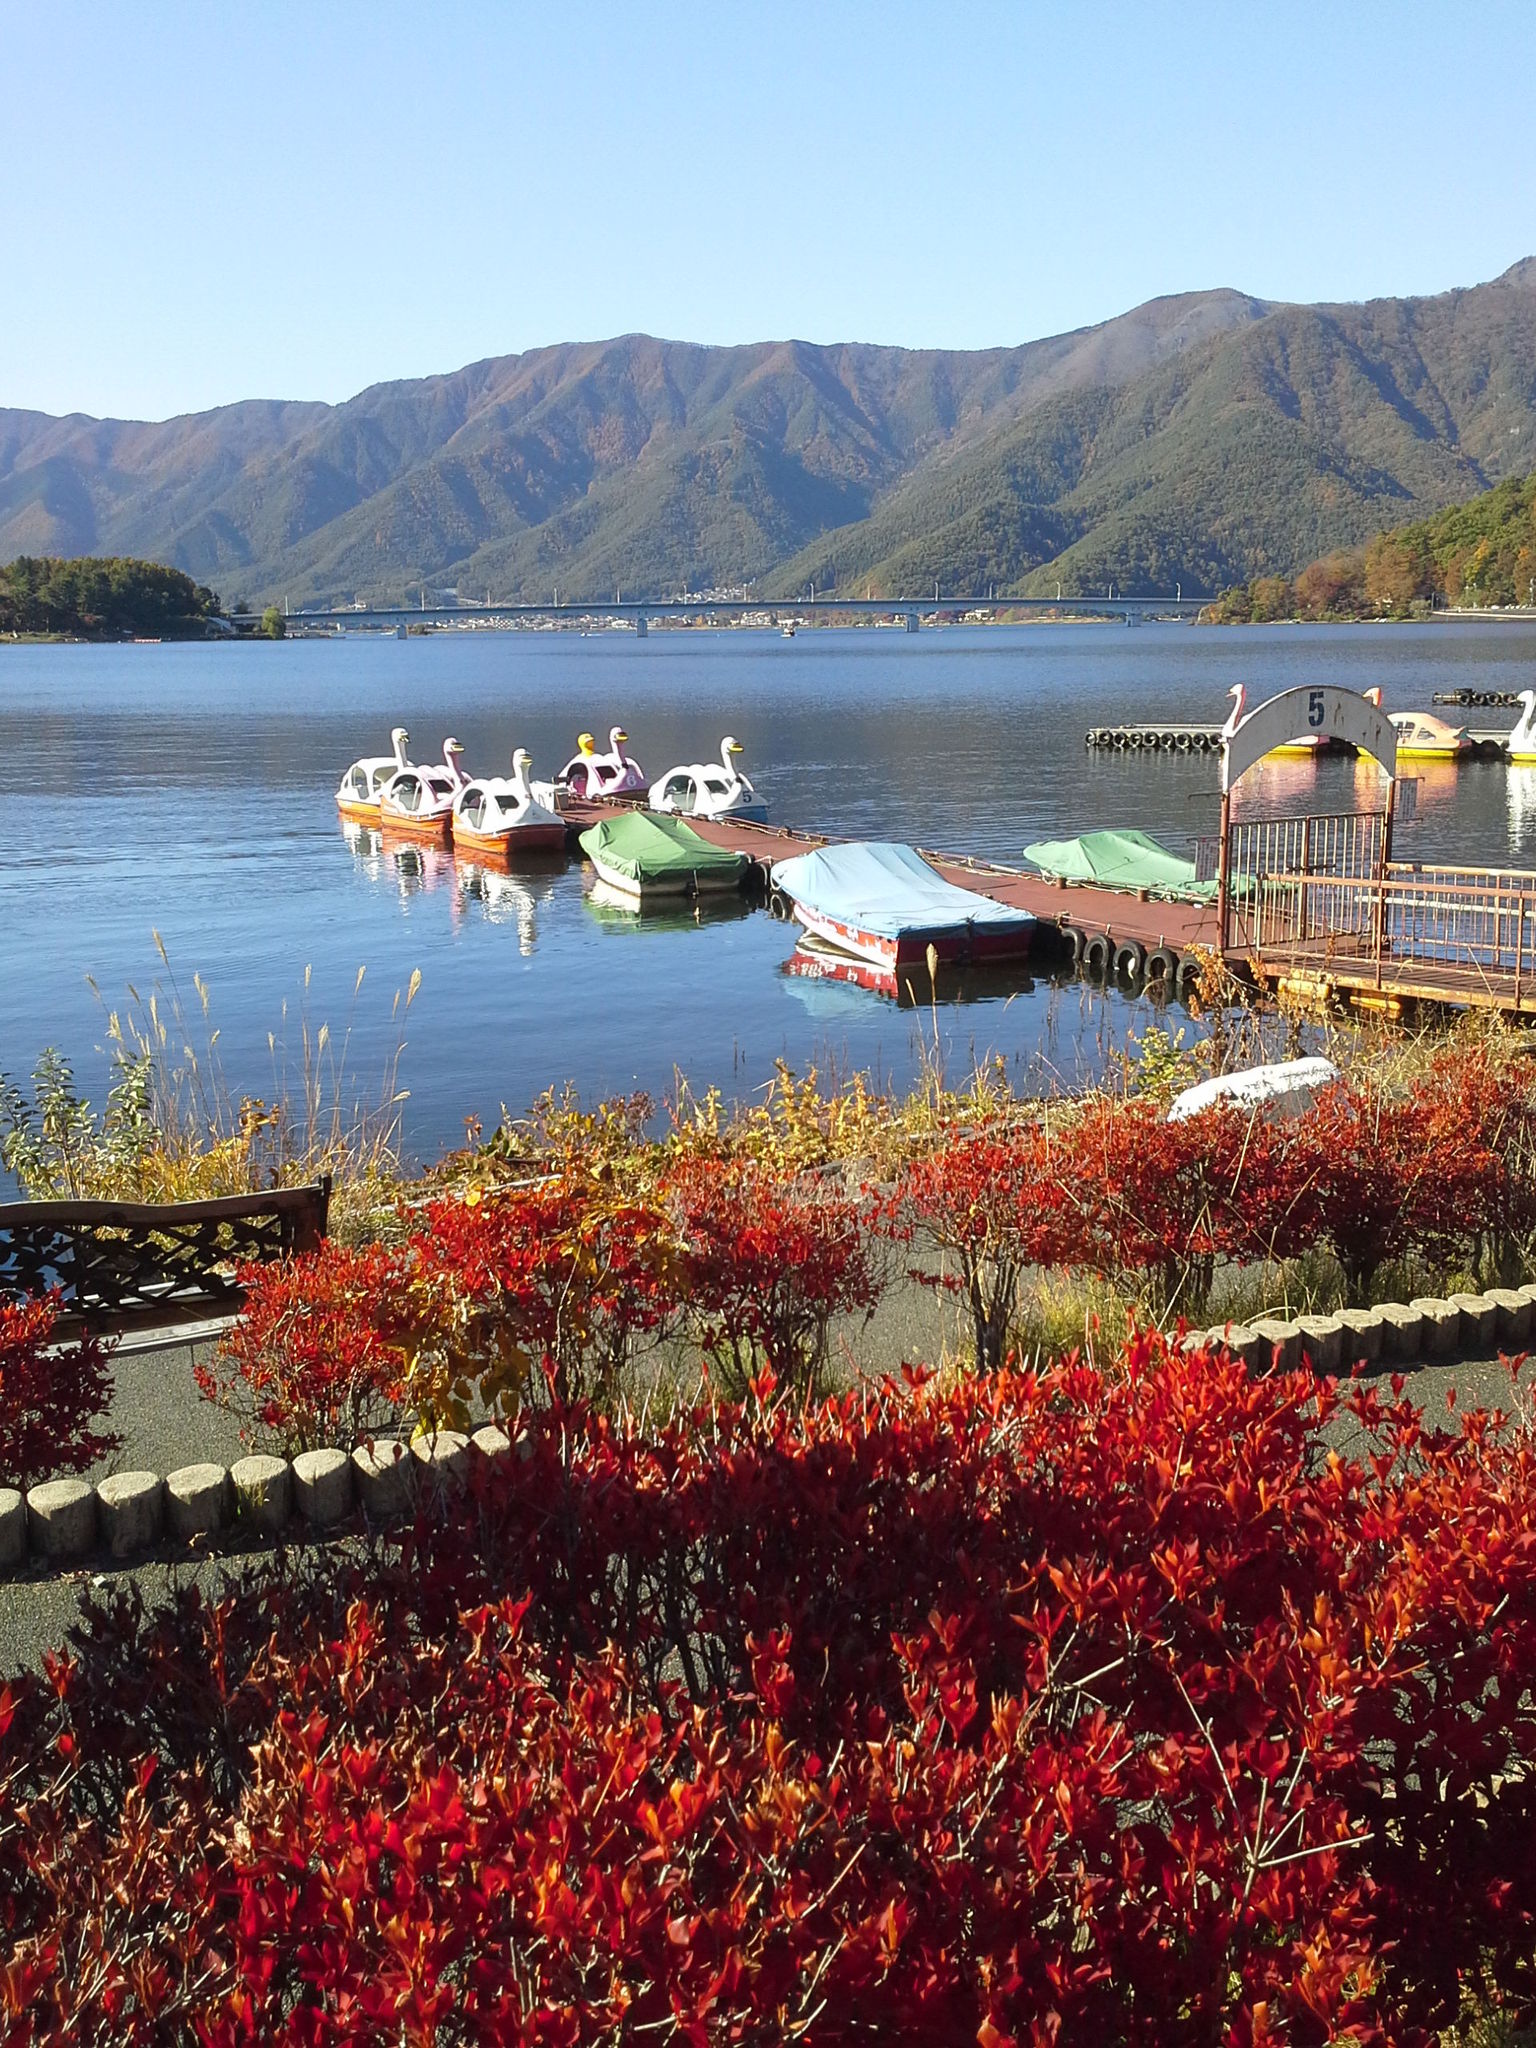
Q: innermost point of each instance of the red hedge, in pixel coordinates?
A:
(50, 1394)
(1070, 1707)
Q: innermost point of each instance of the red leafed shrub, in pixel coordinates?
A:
(998, 1199)
(1060, 1707)
(767, 1258)
(574, 1271)
(50, 1394)
(313, 1359)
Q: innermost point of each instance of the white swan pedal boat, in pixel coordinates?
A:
(646, 857)
(498, 816)
(882, 902)
(418, 802)
(357, 797)
(709, 789)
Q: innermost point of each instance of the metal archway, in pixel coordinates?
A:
(1321, 709)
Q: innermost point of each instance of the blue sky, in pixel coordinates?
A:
(207, 202)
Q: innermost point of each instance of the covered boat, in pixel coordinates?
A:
(649, 856)
(882, 902)
(1120, 860)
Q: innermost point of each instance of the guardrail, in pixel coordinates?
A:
(1468, 933)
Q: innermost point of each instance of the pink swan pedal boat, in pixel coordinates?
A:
(417, 803)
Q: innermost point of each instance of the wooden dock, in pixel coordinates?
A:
(1107, 933)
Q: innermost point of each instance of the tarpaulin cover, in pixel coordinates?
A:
(1119, 860)
(886, 889)
(646, 848)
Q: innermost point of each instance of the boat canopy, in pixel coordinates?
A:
(646, 847)
(885, 888)
(1119, 860)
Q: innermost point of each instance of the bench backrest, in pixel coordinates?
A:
(118, 1262)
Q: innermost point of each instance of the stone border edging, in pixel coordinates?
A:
(67, 1522)
(1427, 1331)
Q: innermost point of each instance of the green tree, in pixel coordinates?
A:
(273, 623)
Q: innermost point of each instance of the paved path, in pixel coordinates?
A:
(165, 1422)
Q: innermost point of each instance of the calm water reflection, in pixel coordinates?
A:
(188, 789)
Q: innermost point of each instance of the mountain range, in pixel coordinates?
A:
(1200, 440)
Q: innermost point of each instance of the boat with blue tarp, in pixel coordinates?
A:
(882, 902)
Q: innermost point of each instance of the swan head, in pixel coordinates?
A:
(1239, 695)
(1373, 695)
(400, 739)
(730, 746)
(617, 737)
(522, 761)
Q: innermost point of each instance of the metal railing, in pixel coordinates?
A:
(1270, 859)
(1469, 931)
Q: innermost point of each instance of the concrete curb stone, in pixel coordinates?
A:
(1514, 1313)
(13, 1527)
(129, 1510)
(1282, 1343)
(1322, 1340)
(61, 1519)
(263, 1492)
(1402, 1329)
(381, 1472)
(1363, 1336)
(197, 1500)
(1442, 1326)
(1479, 1320)
(442, 1460)
(322, 1486)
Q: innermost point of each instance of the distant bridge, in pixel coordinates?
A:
(639, 612)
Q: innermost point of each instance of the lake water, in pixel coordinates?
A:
(188, 789)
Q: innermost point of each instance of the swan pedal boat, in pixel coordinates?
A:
(1423, 737)
(646, 857)
(1521, 744)
(357, 798)
(882, 902)
(710, 789)
(589, 774)
(417, 803)
(499, 817)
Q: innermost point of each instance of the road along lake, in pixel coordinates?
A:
(189, 790)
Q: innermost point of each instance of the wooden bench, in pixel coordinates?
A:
(125, 1265)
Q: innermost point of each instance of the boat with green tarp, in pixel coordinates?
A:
(647, 855)
(1120, 860)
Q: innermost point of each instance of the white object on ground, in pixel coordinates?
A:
(1284, 1088)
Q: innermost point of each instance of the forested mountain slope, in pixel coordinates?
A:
(1203, 439)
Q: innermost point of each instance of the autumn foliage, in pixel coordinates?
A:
(1147, 1704)
(52, 1393)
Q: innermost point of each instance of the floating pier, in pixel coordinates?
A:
(1106, 933)
(1481, 700)
(1167, 736)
